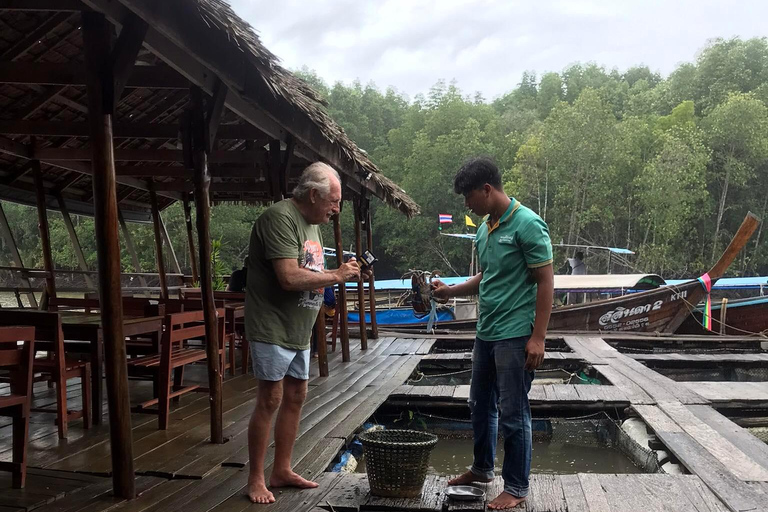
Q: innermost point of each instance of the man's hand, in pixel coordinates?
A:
(349, 271)
(534, 350)
(440, 290)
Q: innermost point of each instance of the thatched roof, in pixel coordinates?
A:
(219, 16)
(43, 109)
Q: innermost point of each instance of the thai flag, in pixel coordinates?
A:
(445, 218)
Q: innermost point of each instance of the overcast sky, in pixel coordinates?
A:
(485, 45)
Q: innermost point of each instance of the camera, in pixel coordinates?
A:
(366, 259)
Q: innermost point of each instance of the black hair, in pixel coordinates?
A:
(580, 255)
(475, 173)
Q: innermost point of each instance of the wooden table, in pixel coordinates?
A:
(86, 327)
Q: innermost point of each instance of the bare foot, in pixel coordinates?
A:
(468, 478)
(258, 493)
(290, 479)
(505, 501)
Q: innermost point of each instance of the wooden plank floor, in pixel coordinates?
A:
(549, 493)
(179, 469)
(544, 394)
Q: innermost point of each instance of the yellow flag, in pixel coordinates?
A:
(469, 221)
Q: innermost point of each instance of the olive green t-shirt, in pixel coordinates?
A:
(274, 315)
(506, 252)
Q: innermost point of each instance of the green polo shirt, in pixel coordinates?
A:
(506, 252)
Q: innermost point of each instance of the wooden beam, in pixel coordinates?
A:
(121, 130)
(371, 280)
(33, 73)
(45, 234)
(40, 101)
(158, 243)
(182, 48)
(10, 242)
(131, 247)
(276, 188)
(342, 305)
(18, 173)
(96, 37)
(146, 171)
(74, 178)
(167, 239)
(42, 5)
(215, 110)
(360, 288)
(190, 240)
(31, 39)
(20, 150)
(199, 142)
(73, 238)
(185, 186)
(143, 155)
(125, 52)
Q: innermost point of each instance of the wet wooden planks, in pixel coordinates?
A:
(733, 394)
(672, 360)
(548, 493)
(43, 487)
(544, 394)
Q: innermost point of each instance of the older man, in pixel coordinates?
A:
(286, 277)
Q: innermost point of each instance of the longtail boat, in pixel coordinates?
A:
(658, 310)
(742, 317)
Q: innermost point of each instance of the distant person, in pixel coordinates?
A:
(515, 287)
(578, 267)
(286, 277)
(238, 279)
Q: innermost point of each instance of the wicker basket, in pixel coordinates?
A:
(397, 461)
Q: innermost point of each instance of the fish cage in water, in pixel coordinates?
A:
(592, 444)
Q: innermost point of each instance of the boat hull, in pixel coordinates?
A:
(742, 317)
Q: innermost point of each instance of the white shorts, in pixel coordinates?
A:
(273, 362)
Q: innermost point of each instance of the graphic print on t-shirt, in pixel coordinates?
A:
(312, 259)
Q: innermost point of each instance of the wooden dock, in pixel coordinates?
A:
(178, 469)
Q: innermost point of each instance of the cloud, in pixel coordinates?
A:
(487, 44)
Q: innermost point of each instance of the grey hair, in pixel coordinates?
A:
(316, 176)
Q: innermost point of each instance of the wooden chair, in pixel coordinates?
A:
(18, 403)
(50, 338)
(173, 356)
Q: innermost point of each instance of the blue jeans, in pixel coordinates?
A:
(501, 383)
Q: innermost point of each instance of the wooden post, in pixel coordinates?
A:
(75, 241)
(199, 151)
(342, 305)
(191, 240)
(100, 91)
(131, 248)
(322, 343)
(10, 242)
(371, 280)
(174, 259)
(158, 242)
(723, 311)
(360, 289)
(45, 236)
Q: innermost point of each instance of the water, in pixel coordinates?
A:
(8, 300)
(454, 456)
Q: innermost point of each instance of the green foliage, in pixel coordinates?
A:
(665, 166)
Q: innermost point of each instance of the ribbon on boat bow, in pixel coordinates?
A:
(706, 316)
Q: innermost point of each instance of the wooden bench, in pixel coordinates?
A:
(16, 405)
(173, 356)
(50, 338)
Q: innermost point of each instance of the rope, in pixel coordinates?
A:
(693, 307)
